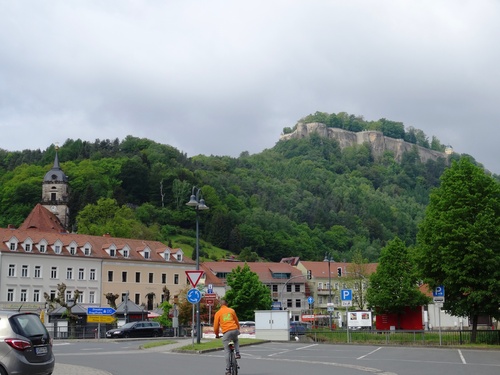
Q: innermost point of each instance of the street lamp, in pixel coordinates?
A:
(328, 258)
(198, 203)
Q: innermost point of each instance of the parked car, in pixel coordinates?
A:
(136, 329)
(25, 344)
(298, 328)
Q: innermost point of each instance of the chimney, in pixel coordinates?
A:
(106, 235)
(11, 226)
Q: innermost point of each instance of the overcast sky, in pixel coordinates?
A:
(220, 77)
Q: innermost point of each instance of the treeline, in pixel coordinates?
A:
(389, 128)
(301, 198)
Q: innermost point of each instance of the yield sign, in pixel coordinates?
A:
(194, 277)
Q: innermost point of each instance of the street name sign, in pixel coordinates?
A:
(100, 311)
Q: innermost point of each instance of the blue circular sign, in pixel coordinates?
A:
(193, 295)
(310, 300)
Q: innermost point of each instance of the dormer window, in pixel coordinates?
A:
(179, 257)
(13, 244)
(58, 247)
(42, 246)
(147, 254)
(72, 248)
(125, 252)
(87, 249)
(112, 252)
(28, 245)
(166, 255)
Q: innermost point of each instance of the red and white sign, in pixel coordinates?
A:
(210, 296)
(194, 277)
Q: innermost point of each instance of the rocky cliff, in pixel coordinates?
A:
(376, 140)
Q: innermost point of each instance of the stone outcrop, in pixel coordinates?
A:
(376, 140)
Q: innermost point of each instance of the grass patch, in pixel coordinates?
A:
(217, 344)
(154, 344)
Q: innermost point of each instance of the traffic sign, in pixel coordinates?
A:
(100, 319)
(310, 300)
(210, 296)
(210, 288)
(346, 295)
(438, 294)
(210, 302)
(193, 295)
(100, 311)
(347, 303)
(194, 277)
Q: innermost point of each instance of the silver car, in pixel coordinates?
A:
(25, 345)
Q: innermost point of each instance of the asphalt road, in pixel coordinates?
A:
(277, 358)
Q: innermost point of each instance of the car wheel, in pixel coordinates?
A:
(2, 371)
(156, 334)
(126, 335)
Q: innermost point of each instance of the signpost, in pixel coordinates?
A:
(438, 297)
(100, 315)
(193, 296)
(346, 297)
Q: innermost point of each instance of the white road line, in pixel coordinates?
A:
(462, 357)
(286, 351)
(366, 355)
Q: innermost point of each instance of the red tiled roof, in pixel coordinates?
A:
(43, 220)
(320, 269)
(264, 270)
(40, 225)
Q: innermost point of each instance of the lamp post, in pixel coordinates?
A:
(198, 203)
(328, 258)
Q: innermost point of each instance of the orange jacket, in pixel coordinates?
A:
(226, 319)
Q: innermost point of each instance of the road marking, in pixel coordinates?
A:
(366, 355)
(291, 350)
(462, 357)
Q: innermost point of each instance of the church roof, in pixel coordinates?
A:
(42, 220)
(55, 174)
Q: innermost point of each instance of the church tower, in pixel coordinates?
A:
(55, 192)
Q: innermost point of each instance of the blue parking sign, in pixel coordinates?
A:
(346, 295)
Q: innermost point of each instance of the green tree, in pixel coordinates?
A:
(393, 287)
(247, 293)
(459, 241)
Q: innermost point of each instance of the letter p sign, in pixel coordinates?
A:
(346, 295)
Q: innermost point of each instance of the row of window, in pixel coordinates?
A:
(336, 286)
(36, 295)
(79, 273)
(138, 277)
(289, 287)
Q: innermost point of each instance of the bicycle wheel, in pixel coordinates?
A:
(234, 364)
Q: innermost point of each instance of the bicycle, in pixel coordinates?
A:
(233, 362)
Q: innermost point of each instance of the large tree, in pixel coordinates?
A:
(394, 287)
(247, 293)
(459, 241)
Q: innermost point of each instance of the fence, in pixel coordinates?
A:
(92, 332)
(428, 338)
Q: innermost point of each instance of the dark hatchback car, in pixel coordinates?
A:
(25, 345)
(136, 329)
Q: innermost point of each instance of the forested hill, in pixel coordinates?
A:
(303, 197)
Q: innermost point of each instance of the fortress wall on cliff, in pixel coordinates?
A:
(376, 140)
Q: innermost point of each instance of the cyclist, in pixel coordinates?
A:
(228, 322)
